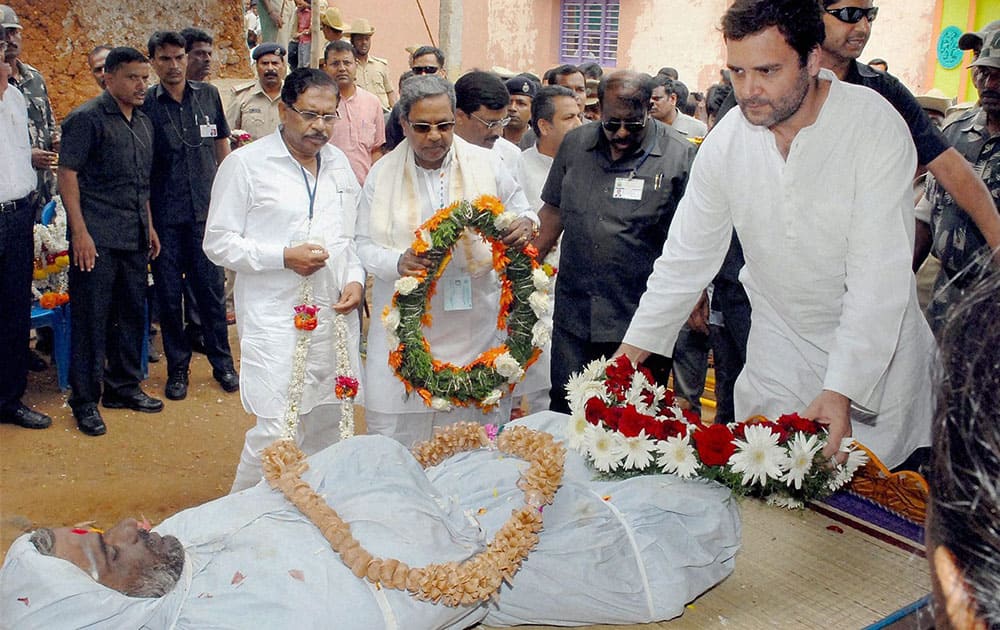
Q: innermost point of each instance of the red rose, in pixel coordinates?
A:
(792, 422)
(714, 444)
(674, 428)
(632, 422)
(595, 410)
(691, 416)
(656, 429)
(619, 374)
(668, 398)
(613, 417)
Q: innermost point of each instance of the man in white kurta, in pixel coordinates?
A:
(260, 207)
(398, 196)
(826, 222)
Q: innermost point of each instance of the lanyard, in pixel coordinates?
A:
(311, 192)
(630, 170)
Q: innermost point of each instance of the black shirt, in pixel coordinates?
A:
(112, 157)
(609, 245)
(183, 161)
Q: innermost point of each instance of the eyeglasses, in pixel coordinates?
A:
(422, 127)
(341, 63)
(853, 15)
(613, 125)
(424, 69)
(493, 124)
(311, 116)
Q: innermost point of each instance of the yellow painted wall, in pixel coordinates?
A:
(965, 14)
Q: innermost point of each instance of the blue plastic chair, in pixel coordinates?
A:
(58, 320)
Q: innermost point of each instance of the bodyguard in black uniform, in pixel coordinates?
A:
(104, 168)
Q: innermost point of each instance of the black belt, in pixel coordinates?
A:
(17, 204)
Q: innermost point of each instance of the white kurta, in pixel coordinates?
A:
(531, 172)
(260, 205)
(508, 152)
(455, 336)
(828, 239)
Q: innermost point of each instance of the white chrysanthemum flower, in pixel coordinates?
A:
(594, 371)
(606, 448)
(856, 458)
(677, 456)
(639, 451)
(492, 398)
(508, 367)
(801, 451)
(541, 333)
(785, 501)
(579, 390)
(540, 303)
(406, 285)
(576, 433)
(504, 220)
(391, 319)
(440, 404)
(634, 396)
(758, 456)
(540, 279)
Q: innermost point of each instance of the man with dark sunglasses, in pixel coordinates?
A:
(848, 25)
(428, 60)
(611, 193)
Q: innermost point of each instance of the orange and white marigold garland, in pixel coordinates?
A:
(451, 583)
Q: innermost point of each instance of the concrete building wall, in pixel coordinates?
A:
(58, 34)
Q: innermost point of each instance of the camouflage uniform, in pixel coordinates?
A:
(957, 242)
(41, 123)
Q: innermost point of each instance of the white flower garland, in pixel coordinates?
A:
(345, 372)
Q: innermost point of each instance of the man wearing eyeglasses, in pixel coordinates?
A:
(428, 171)
(481, 114)
(814, 175)
(283, 210)
(360, 132)
(848, 25)
(611, 193)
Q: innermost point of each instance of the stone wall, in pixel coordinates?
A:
(58, 34)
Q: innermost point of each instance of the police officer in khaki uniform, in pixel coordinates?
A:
(253, 107)
(373, 72)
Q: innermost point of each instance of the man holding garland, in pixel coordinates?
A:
(428, 171)
(282, 212)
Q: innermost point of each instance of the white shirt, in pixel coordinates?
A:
(260, 205)
(689, 125)
(828, 240)
(508, 152)
(17, 177)
(455, 336)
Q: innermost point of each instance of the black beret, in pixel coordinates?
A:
(269, 48)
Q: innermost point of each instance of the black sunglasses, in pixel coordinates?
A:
(853, 15)
(613, 125)
(424, 69)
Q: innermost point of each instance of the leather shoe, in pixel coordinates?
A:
(177, 385)
(89, 420)
(140, 401)
(22, 416)
(228, 378)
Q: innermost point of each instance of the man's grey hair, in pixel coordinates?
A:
(423, 86)
(156, 580)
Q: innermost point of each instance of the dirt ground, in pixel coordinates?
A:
(146, 464)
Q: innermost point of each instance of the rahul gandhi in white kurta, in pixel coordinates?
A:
(828, 239)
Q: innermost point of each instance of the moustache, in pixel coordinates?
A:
(319, 137)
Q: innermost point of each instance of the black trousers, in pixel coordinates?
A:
(17, 250)
(571, 353)
(182, 261)
(107, 319)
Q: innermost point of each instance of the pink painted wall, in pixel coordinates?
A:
(524, 35)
